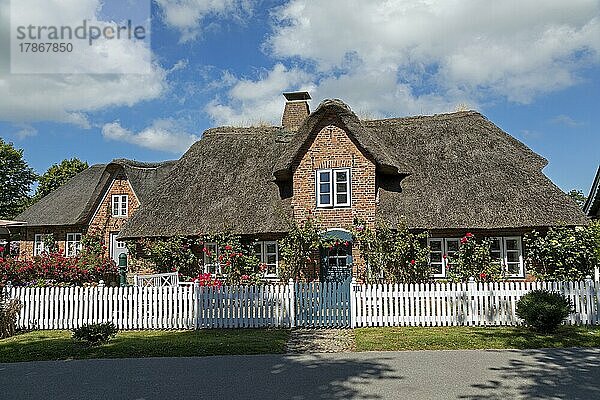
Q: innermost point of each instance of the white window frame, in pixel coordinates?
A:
(38, 243)
(264, 255)
(333, 201)
(444, 253)
(73, 244)
(119, 205)
(504, 256)
(214, 267)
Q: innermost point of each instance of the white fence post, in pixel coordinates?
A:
(292, 297)
(196, 311)
(471, 290)
(353, 303)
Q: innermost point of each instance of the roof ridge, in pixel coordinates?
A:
(439, 117)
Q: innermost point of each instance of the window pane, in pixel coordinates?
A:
(324, 188)
(342, 187)
(271, 248)
(342, 198)
(513, 268)
(512, 256)
(341, 176)
(435, 245)
(437, 269)
(271, 259)
(324, 176)
(496, 256)
(512, 244)
(436, 257)
(342, 261)
(495, 244)
(452, 245)
(325, 199)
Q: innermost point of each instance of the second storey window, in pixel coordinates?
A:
(120, 203)
(333, 187)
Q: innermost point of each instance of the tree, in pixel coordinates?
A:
(58, 174)
(16, 178)
(578, 196)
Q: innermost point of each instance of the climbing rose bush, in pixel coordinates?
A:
(473, 259)
(396, 256)
(207, 280)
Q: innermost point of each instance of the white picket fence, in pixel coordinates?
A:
(293, 305)
(446, 304)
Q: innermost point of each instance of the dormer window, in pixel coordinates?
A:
(120, 203)
(333, 187)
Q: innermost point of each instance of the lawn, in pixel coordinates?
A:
(58, 345)
(465, 337)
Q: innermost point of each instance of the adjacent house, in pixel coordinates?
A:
(592, 204)
(101, 199)
(445, 174)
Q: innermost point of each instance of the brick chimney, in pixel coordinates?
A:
(296, 110)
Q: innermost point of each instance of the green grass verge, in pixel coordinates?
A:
(454, 338)
(58, 345)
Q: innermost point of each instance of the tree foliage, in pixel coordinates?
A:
(564, 254)
(16, 178)
(57, 175)
(578, 196)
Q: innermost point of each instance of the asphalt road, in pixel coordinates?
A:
(505, 374)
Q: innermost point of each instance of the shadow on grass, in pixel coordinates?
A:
(58, 345)
(523, 338)
(570, 373)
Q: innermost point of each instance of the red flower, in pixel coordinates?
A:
(228, 247)
(483, 275)
(463, 240)
(445, 256)
(469, 235)
(1, 249)
(228, 263)
(412, 262)
(245, 277)
(346, 243)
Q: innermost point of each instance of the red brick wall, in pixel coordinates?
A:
(103, 221)
(27, 242)
(332, 148)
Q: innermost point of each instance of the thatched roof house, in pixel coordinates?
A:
(445, 174)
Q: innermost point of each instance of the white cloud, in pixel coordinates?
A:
(163, 134)
(251, 102)
(187, 16)
(25, 131)
(402, 57)
(565, 120)
(68, 98)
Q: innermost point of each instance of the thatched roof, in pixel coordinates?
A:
(222, 183)
(450, 171)
(592, 203)
(468, 173)
(74, 202)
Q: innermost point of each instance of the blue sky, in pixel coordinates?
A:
(531, 67)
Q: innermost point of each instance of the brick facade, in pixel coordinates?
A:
(333, 148)
(27, 242)
(103, 220)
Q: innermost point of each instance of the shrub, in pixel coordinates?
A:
(298, 250)
(9, 310)
(543, 310)
(95, 334)
(564, 254)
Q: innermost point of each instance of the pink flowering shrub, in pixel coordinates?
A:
(473, 259)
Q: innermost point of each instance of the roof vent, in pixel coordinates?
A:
(296, 110)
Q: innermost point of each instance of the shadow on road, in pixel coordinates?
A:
(546, 373)
(231, 377)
